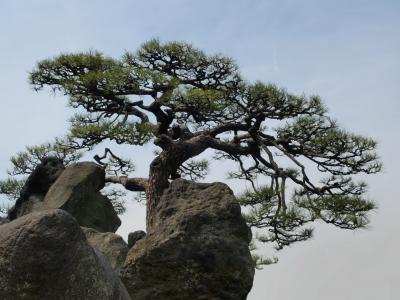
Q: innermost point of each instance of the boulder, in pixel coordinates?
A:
(36, 187)
(44, 255)
(77, 191)
(135, 236)
(197, 249)
(109, 244)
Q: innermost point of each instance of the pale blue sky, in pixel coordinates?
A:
(346, 51)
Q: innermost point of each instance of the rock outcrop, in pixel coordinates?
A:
(77, 191)
(110, 244)
(135, 236)
(67, 249)
(45, 255)
(36, 187)
(198, 248)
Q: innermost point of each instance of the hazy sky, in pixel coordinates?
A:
(346, 51)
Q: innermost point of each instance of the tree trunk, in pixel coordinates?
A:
(161, 168)
(158, 182)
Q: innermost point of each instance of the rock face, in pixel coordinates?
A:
(45, 255)
(197, 250)
(77, 191)
(110, 244)
(135, 236)
(36, 187)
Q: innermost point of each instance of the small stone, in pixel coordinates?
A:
(135, 236)
(3, 220)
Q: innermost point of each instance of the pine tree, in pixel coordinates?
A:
(185, 102)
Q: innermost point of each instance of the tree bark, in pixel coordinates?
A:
(161, 169)
(175, 153)
(158, 182)
(136, 184)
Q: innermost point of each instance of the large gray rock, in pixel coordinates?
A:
(110, 244)
(197, 250)
(77, 191)
(36, 187)
(45, 256)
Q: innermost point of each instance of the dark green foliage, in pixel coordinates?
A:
(297, 159)
(11, 188)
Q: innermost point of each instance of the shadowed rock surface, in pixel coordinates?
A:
(198, 248)
(110, 244)
(77, 191)
(45, 255)
(135, 236)
(36, 187)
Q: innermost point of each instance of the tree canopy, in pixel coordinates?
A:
(300, 164)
